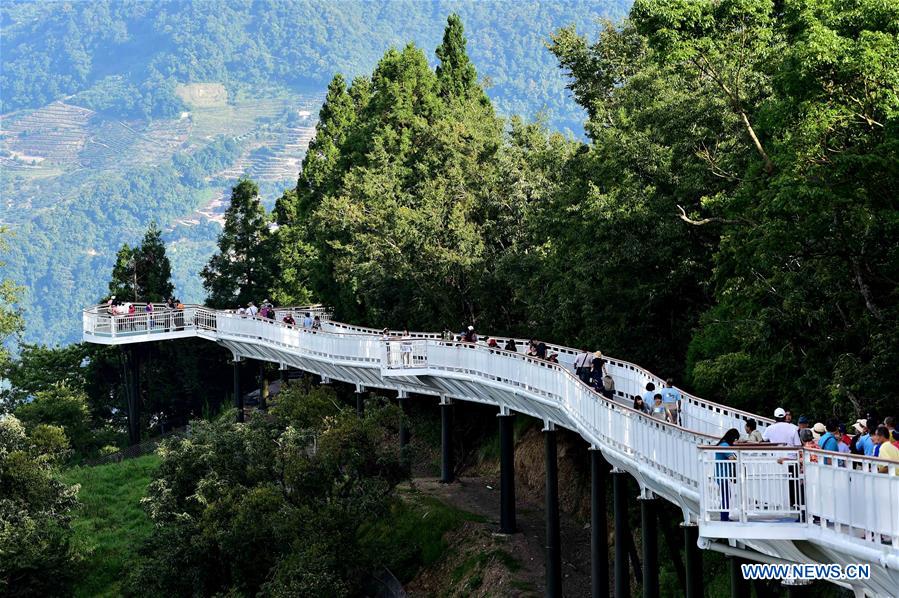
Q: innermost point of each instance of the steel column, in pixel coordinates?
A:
(694, 561)
(507, 523)
(599, 526)
(404, 425)
(131, 366)
(619, 498)
(447, 473)
(238, 397)
(739, 587)
(553, 541)
(360, 403)
(650, 528)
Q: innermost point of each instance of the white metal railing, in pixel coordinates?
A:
(751, 485)
(406, 352)
(853, 495)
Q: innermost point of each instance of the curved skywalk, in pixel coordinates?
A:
(847, 506)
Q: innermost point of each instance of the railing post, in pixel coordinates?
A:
(619, 498)
(599, 526)
(447, 474)
(650, 532)
(507, 524)
(553, 540)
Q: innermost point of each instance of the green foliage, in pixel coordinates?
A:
(11, 321)
(291, 506)
(36, 553)
(412, 535)
(143, 273)
(241, 271)
(110, 525)
(305, 409)
(60, 405)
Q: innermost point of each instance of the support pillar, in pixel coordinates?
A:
(739, 587)
(694, 561)
(599, 526)
(447, 473)
(360, 400)
(282, 374)
(404, 424)
(649, 524)
(131, 372)
(553, 542)
(238, 396)
(507, 524)
(619, 498)
(263, 387)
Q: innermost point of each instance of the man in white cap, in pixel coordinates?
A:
(782, 432)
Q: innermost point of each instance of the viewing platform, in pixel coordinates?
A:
(764, 503)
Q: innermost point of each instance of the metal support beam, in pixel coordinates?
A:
(404, 424)
(619, 499)
(447, 473)
(131, 371)
(649, 524)
(599, 526)
(739, 587)
(694, 561)
(553, 587)
(507, 523)
(238, 397)
(360, 403)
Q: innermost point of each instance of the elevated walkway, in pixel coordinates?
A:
(824, 508)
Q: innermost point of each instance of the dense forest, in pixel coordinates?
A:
(730, 221)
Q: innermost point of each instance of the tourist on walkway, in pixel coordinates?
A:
(658, 410)
(582, 365)
(671, 397)
(511, 345)
(725, 470)
(640, 405)
(288, 319)
(782, 431)
(650, 393)
(752, 433)
(828, 441)
(316, 323)
(252, 310)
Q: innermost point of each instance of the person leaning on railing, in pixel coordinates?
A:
(725, 472)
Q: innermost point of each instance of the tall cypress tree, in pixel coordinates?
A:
(241, 271)
(456, 74)
(143, 273)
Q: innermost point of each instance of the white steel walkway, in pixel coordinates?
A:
(830, 508)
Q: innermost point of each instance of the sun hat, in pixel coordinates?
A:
(819, 430)
(471, 327)
(779, 412)
(860, 426)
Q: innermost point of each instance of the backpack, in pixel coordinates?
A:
(608, 383)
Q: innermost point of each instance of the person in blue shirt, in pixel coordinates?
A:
(865, 444)
(671, 397)
(650, 393)
(828, 441)
(725, 473)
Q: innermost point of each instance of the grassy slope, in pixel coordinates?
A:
(111, 524)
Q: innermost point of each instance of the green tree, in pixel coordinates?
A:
(257, 489)
(36, 553)
(241, 270)
(143, 273)
(11, 321)
(455, 73)
(60, 405)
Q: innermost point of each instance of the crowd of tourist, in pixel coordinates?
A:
(266, 310)
(169, 316)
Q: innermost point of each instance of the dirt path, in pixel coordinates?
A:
(480, 495)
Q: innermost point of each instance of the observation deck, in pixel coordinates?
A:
(783, 505)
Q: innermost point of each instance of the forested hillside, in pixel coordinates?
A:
(115, 114)
(127, 58)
